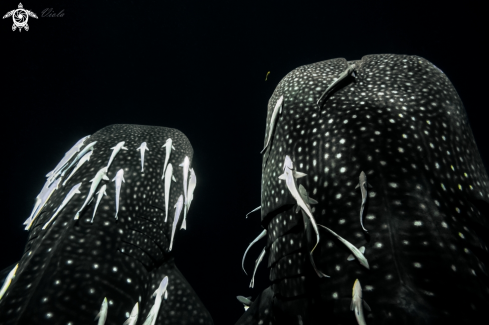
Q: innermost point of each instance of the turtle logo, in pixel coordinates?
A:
(20, 17)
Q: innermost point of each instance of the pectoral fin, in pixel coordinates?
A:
(282, 177)
(312, 201)
(369, 186)
(358, 185)
(106, 178)
(352, 305)
(366, 306)
(173, 178)
(299, 174)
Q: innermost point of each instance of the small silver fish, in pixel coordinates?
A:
(277, 110)
(257, 262)
(158, 294)
(169, 177)
(357, 303)
(363, 188)
(83, 159)
(119, 178)
(260, 236)
(82, 153)
(185, 165)
(289, 176)
(101, 174)
(100, 193)
(169, 146)
(178, 210)
(102, 315)
(143, 147)
(115, 151)
(74, 190)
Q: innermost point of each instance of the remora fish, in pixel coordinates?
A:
(39, 197)
(80, 163)
(357, 253)
(102, 315)
(8, 280)
(158, 294)
(74, 190)
(246, 301)
(101, 174)
(68, 155)
(289, 176)
(78, 157)
(178, 210)
(100, 193)
(191, 187)
(257, 262)
(133, 318)
(277, 110)
(260, 236)
(45, 195)
(363, 188)
(143, 147)
(192, 184)
(357, 303)
(119, 178)
(169, 177)
(169, 146)
(185, 165)
(115, 151)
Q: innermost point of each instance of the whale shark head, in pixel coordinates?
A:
(123, 259)
(400, 120)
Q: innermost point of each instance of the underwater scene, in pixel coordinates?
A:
(247, 163)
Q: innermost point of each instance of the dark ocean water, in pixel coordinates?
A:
(200, 67)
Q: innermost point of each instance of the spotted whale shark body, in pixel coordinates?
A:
(71, 266)
(399, 119)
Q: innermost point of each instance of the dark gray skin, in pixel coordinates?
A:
(399, 119)
(69, 268)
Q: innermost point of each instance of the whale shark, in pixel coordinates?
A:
(74, 269)
(399, 121)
